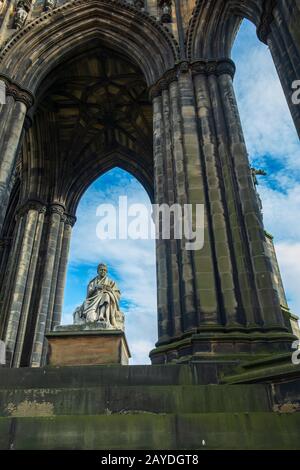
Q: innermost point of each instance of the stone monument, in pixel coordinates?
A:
(97, 335)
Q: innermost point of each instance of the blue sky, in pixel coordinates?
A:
(272, 144)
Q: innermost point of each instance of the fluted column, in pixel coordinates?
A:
(55, 304)
(164, 291)
(203, 259)
(251, 220)
(219, 194)
(187, 293)
(56, 212)
(69, 222)
(24, 258)
(12, 117)
(216, 299)
(5, 245)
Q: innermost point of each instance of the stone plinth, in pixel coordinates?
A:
(85, 345)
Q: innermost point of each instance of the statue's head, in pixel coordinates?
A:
(102, 270)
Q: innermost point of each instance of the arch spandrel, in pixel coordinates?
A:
(51, 39)
(214, 25)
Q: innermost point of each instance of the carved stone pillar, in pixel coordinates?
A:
(187, 293)
(68, 223)
(21, 277)
(5, 245)
(219, 301)
(12, 117)
(48, 283)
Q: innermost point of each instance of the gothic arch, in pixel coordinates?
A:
(51, 39)
(214, 25)
(121, 158)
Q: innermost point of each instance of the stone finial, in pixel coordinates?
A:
(22, 11)
(49, 5)
(166, 11)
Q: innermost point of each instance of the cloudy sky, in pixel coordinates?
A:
(273, 146)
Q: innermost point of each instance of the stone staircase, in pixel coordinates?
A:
(138, 407)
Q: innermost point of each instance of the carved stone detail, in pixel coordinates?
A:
(31, 204)
(206, 67)
(17, 92)
(267, 18)
(49, 5)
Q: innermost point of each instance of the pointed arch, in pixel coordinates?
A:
(48, 41)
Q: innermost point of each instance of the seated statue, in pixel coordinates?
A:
(102, 303)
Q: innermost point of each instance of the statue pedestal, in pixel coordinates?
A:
(80, 345)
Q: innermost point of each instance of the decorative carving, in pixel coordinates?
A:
(213, 67)
(17, 92)
(56, 209)
(70, 220)
(31, 204)
(49, 5)
(102, 303)
(139, 4)
(141, 16)
(166, 11)
(164, 82)
(206, 67)
(22, 10)
(267, 18)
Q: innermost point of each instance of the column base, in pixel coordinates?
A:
(74, 345)
(228, 345)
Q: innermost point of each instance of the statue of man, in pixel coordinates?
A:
(102, 302)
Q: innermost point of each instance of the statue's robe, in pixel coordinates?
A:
(97, 296)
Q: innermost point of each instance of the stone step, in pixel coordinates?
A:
(261, 430)
(90, 376)
(134, 399)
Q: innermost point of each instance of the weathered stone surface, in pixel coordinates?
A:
(139, 408)
(87, 347)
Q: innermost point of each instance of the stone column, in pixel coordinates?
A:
(43, 322)
(228, 304)
(12, 116)
(187, 293)
(163, 288)
(215, 169)
(251, 219)
(279, 29)
(58, 277)
(196, 184)
(21, 275)
(5, 245)
(62, 270)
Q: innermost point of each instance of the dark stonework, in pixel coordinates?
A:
(183, 141)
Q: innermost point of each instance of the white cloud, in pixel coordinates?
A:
(266, 119)
(281, 212)
(272, 143)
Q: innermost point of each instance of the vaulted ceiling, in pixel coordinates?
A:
(100, 100)
(93, 113)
